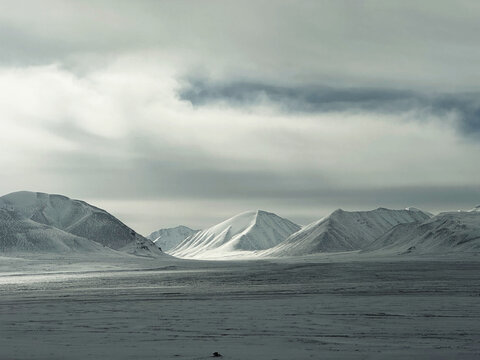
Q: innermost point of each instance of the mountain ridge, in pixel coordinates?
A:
(344, 231)
(444, 233)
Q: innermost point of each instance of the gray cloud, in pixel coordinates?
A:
(414, 44)
(318, 99)
(298, 98)
(304, 196)
(163, 174)
(466, 106)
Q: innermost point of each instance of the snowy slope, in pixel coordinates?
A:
(167, 239)
(446, 232)
(344, 231)
(77, 218)
(476, 209)
(20, 235)
(253, 230)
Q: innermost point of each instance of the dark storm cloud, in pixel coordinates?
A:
(297, 98)
(318, 99)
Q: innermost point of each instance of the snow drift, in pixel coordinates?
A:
(252, 230)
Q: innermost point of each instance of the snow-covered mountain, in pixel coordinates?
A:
(444, 233)
(77, 218)
(167, 239)
(19, 235)
(252, 230)
(344, 231)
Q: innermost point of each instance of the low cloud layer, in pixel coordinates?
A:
(320, 99)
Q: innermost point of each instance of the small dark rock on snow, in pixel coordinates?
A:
(216, 354)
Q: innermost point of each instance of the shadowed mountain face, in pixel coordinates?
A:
(444, 233)
(167, 239)
(344, 231)
(253, 230)
(77, 218)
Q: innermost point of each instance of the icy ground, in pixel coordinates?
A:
(310, 308)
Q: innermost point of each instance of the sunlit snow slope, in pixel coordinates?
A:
(78, 218)
(167, 239)
(253, 230)
(344, 231)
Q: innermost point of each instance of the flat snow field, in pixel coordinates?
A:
(298, 309)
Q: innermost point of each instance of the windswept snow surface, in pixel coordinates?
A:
(391, 308)
(77, 218)
(243, 233)
(444, 233)
(167, 239)
(344, 231)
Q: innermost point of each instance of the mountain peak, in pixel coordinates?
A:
(247, 231)
(263, 212)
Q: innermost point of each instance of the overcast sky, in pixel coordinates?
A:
(188, 112)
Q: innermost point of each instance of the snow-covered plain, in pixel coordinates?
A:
(334, 306)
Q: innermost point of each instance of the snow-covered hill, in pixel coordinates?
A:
(77, 218)
(444, 233)
(253, 230)
(167, 239)
(21, 235)
(344, 231)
